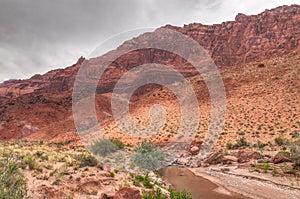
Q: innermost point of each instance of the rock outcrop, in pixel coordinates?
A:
(247, 39)
(54, 81)
(128, 193)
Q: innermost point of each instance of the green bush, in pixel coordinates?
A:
(173, 194)
(87, 160)
(32, 163)
(112, 174)
(283, 148)
(12, 183)
(147, 156)
(240, 133)
(295, 134)
(29, 160)
(254, 168)
(295, 156)
(281, 141)
(241, 143)
(274, 171)
(180, 194)
(265, 167)
(229, 145)
(261, 145)
(118, 143)
(145, 180)
(104, 147)
(154, 195)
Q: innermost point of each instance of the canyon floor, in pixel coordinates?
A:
(68, 170)
(256, 155)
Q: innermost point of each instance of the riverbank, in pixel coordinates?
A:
(256, 186)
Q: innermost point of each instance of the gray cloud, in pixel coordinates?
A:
(39, 35)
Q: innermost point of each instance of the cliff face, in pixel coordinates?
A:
(54, 81)
(248, 38)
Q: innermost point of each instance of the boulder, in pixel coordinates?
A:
(227, 159)
(182, 161)
(264, 160)
(194, 150)
(203, 164)
(108, 195)
(214, 158)
(128, 193)
(296, 161)
(245, 156)
(280, 159)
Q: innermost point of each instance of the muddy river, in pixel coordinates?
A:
(200, 188)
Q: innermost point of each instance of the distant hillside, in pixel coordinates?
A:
(40, 107)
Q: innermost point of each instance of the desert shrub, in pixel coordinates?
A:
(136, 183)
(281, 141)
(12, 183)
(287, 170)
(145, 180)
(226, 152)
(60, 144)
(39, 154)
(295, 156)
(104, 147)
(87, 160)
(153, 194)
(284, 148)
(70, 196)
(241, 133)
(265, 167)
(94, 192)
(274, 171)
(284, 168)
(173, 194)
(241, 143)
(229, 145)
(261, 145)
(297, 142)
(180, 194)
(295, 134)
(32, 163)
(118, 143)
(147, 156)
(112, 174)
(254, 168)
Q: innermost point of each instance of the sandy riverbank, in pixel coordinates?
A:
(256, 186)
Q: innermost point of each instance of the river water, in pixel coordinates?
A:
(200, 188)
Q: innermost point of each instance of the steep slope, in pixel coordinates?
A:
(41, 106)
(262, 103)
(47, 116)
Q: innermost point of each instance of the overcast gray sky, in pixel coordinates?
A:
(39, 35)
